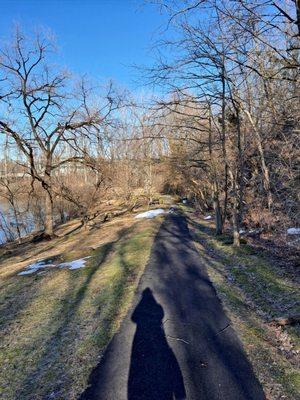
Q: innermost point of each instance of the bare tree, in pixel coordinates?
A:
(43, 114)
(242, 64)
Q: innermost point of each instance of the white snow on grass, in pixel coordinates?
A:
(208, 217)
(76, 264)
(32, 268)
(150, 213)
(27, 272)
(293, 231)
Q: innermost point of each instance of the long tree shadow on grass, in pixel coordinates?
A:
(154, 372)
(249, 262)
(270, 295)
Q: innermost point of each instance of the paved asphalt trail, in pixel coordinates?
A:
(176, 343)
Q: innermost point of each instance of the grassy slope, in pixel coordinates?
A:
(253, 290)
(54, 327)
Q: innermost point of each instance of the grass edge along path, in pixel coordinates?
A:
(56, 337)
(251, 289)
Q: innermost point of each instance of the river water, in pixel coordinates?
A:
(28, 221)
(8, 225)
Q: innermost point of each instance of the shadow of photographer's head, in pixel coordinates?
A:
(154, 370)
(148, 311)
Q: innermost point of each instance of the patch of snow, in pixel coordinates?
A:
(76, 264)
(32, 268)
(293, 231)
(150, 213)
(253, 232)
(207, 217)
(27, 272)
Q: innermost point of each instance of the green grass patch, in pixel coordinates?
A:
(254, 290)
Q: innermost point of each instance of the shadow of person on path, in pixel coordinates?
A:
(154, 372)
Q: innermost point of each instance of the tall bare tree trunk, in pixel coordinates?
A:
(47, 185)
(223, 139)
(49, 219)
(235, 208)
(235, 221)
(215, 186)
(265, 169)
(217, 210)
(237, 176)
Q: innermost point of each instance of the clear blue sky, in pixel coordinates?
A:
(102, 38)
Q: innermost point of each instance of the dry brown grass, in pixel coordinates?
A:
(55, 326)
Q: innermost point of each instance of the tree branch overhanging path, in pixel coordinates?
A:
(223, 84)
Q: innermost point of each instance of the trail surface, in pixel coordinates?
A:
(177, 342)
